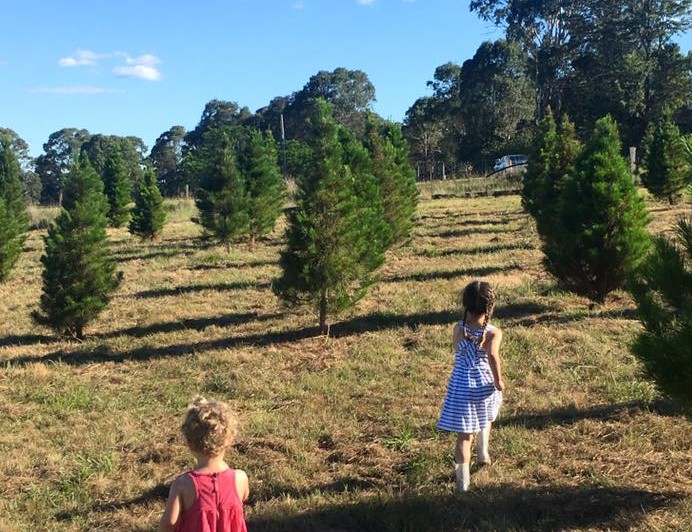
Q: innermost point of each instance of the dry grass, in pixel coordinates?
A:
(337, 434)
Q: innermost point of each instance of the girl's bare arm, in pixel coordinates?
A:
(493, 350)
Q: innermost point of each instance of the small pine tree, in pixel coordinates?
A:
(600, 229)
(662, 288)
(266, 185)
(222, 197)
(13, 216)
(553, 158)
(666, 167)
(79, 274)
(395, 175)
(117, 188)
(148, 214)
(329, 258)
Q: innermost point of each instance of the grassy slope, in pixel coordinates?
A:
(337, 434)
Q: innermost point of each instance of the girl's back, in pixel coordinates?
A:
(217, 507)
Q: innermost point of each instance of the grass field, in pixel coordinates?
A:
(337, 434)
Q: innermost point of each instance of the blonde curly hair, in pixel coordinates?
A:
(209, 426)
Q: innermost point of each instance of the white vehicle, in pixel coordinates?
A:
(511, 162)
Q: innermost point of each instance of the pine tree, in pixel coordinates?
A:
(662, 288)
(600, 234)
(117, 188)
(148, 214)
(666, 167)
(79, 274)
(329, 258)
(553, 158)
(222, 197)
(265, 184)
(13, 216)
(395, 176)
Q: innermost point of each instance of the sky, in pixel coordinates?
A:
(139, 67)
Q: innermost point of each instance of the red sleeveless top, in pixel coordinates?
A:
(217, 507)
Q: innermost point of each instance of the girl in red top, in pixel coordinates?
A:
(210, 497)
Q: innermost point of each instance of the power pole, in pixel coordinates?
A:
(283, 146)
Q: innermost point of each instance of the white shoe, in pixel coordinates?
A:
(463, 477)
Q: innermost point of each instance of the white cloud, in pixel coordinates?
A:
(82, 58)
(142, 67)
(4, 62)
(146, 72)
(366, 2)
(72, 90)
(299, 6)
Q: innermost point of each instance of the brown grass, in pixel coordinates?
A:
(337, 434)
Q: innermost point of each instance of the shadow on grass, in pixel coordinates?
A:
(234, 265)
(197, 324)
(550, 508)
(126, 257)
(451, 274)
(457, 233)
(474, 251)
(218, 287)
(559, 318)
(28, 339)
(571, 414)
(359, 325)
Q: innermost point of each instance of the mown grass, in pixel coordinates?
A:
(337, 434)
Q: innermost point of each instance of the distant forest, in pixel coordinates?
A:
(583, 58)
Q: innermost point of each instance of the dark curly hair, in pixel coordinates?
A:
(478, 298)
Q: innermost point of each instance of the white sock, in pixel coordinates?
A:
(482, 442)
(463, 476)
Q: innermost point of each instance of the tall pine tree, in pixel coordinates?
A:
(395, 176)
(666, 167)
(329, 259)
(148, 214)
(222, 197)
(13, 216)
(117, 188)
(600, 235)
(79, 274)
(662, 288)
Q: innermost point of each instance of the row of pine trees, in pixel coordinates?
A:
(592, 223)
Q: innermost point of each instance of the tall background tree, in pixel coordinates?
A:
(79, 274)
(31, 183)
(166, 157)
(662, 288)
(13, 216)
(332, 248)
(61, 151)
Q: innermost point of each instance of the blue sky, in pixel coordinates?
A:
(138, 67)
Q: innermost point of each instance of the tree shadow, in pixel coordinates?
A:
(475, 251)
(185, 324)
(456, 233)
(123, 257)
(27, 339)
(570, 414)
(234, 265)
(451, 274)
(545, 508)
(561, 318)
(358, 325)
(218, 287)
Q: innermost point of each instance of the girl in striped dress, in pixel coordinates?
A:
(474, 392)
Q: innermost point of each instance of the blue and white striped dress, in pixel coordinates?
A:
(472, 401)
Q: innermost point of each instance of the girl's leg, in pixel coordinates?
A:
(463, 460)
(482, 444)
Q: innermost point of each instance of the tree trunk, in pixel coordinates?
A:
(323, 314)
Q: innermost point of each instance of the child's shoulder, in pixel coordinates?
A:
(493, 332)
